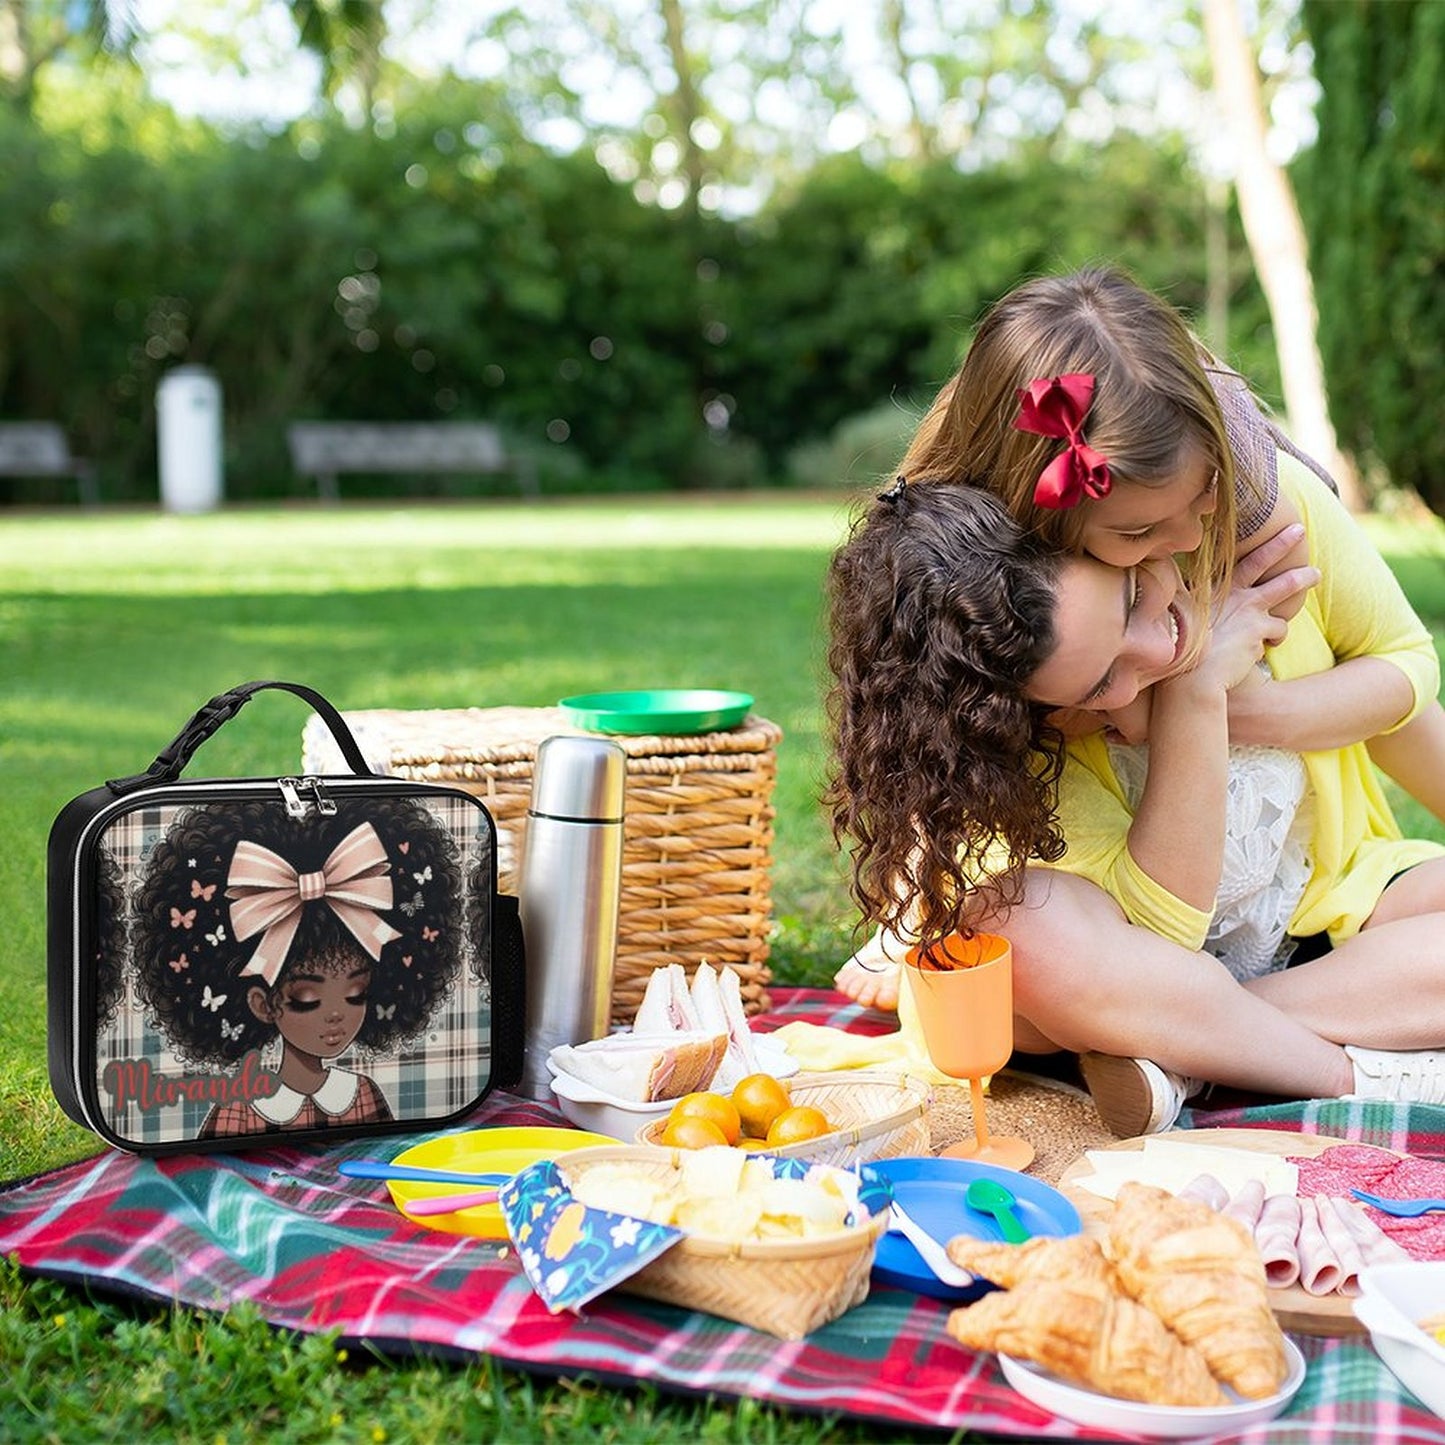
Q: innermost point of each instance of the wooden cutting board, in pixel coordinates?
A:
(1295, 1308)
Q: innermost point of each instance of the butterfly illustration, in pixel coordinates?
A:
(424, 876)
(410, 908)
(179, 965)
(182, 920)
(430, 935)
(204, 893)
(212, 1001)
(231, 1031)
(386, 1012)
(218, 936)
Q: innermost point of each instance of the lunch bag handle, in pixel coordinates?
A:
(222, 708)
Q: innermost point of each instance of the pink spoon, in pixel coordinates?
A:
(450, 1203)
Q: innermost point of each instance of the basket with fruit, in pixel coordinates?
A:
(842, 1118)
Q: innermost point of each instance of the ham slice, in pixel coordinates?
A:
(1341, 1241)
(1247, 1204)
(1320, 1271)
(1207, 1190)
(1276, 1234)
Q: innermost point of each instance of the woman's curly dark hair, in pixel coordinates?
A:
(187, 956)
(944, 774)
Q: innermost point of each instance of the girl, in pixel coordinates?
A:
(225, 974)
(1187, 464)
(955, 638)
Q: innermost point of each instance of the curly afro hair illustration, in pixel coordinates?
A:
(110, 930)
(189, 961)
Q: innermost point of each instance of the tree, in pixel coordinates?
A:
(1371, 191)
(1276, 241)
(34, 33)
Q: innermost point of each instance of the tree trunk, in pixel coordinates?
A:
(1276, 239)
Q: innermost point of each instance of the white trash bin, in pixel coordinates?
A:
(188, 426)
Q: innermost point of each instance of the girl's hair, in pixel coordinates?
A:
(943, 772)
(110, 928)
(187, 956)
(1152, 399)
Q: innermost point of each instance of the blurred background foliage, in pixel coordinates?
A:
(756, 277)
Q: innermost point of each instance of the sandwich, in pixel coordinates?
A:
(713, 1003)
(645, 1068)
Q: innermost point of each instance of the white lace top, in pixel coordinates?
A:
(1268, 816)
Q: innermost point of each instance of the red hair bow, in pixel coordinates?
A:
(1056, 407)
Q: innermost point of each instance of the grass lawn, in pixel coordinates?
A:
(113, 628)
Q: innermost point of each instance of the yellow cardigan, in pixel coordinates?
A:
(1357, 610)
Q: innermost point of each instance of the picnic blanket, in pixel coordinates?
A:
(315, 1251)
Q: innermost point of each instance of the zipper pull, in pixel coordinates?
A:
(291, 795)
(324, 805)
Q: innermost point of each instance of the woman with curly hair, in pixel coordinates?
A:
(320, 935)
(1106, 429)
(957, 639)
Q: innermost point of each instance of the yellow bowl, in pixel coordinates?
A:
(481, 1151)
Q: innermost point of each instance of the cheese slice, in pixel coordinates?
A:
(1171, 1163)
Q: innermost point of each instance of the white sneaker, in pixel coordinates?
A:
(1135, 1096)
(1406, 1076)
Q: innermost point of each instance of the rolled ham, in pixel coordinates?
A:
(1247, 1204)
(1341, 1242)
(1207, 1190)
(1276, 1234)
(1320, 1271)
(1376, 1247)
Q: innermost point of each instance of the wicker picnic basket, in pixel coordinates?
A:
(785, 1287)
(876, 1116)
(697, 836)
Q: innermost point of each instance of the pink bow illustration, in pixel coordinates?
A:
(1056, 407)
(267, 895)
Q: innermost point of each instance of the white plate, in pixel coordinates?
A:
(1394, 1298)
(1161, 1422)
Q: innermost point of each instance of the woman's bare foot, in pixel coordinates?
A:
(870, 977)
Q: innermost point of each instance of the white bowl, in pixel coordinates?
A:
(1393, 1299)
(588, 1107)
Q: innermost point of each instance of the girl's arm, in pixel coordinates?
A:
(1177, 836)
(1380, 669)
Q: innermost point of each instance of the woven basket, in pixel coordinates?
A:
(784, 1287)
(875, 1116)
(697, 837)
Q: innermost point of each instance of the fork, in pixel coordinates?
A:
(1402, 1208)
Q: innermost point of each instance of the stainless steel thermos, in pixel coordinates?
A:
(571, 880)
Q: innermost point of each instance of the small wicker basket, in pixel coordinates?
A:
(697, 835)
(785, 1287)
(876, 1116)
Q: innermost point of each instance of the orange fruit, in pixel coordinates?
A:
(760, 1098)
(692, 1133)
(800, 1122)
(715, 1108)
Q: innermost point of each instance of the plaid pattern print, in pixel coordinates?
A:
(316, 1251)
(431, 1078)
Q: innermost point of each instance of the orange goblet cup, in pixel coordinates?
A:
(963, 991)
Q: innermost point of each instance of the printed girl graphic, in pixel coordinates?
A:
(325, 933)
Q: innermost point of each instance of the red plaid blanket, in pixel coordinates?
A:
(315, 1251)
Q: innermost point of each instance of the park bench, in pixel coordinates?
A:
(327, 450)
(39, 449)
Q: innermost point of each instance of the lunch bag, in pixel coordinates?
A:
(258, 960)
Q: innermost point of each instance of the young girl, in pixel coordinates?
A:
(955, 638)
(1186, 464)
(224, 973)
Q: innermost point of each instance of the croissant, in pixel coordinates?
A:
(1090, 1335)
(1079, 1256)
(1202, 1275)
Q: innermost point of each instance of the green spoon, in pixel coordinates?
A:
(990, 1197)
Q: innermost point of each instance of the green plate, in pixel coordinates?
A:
(660, 710)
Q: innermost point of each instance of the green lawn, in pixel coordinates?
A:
(113, 628)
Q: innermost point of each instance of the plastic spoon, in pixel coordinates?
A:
(1401, 1208)
(381, 1169)
(929, 1249)
(450, 1203)
(988, 1196)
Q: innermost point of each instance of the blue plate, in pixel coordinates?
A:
(932, 1191)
